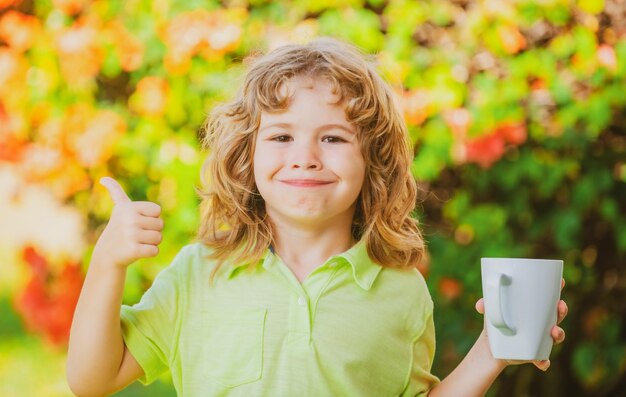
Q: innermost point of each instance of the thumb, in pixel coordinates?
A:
(115, 190)
(480, 306)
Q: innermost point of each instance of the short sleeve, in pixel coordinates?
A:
(149, 327)
(421, 380)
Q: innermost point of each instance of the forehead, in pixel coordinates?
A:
(308, 97)
(317, 85)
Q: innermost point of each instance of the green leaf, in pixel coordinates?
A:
(566, 228)
(585, 362)
(111, 66)
(458, 205)
(591, 6)
(563, 45)
(558, 14)
(585, 42)
(598, 114)
(360, 26)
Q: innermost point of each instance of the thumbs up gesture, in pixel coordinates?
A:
(134, 230)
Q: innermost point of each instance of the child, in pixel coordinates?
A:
(303, 279)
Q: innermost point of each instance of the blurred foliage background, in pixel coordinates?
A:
(516, 109)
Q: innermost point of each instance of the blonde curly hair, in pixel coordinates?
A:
(234, 223)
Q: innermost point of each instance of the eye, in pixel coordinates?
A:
(333, 139)
(281, 138)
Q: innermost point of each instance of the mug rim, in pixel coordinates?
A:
(518, 260)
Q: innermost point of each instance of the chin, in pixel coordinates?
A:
(299, 216)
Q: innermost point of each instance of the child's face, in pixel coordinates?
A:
(308, 164)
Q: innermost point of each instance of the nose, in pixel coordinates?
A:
(306, 156)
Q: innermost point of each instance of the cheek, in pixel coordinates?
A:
(255, 164)
(357, 165)
(258, 161)
(264, 167)
(354, 167)
(262, 162)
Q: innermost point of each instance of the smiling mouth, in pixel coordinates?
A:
(305, 182)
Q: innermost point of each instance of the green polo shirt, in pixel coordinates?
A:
(351, 328)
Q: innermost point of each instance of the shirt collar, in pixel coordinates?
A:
(364, 270)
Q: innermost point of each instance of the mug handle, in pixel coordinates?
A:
(494, 294)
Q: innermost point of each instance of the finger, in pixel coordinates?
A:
(562, 283)
(150, 237)
(562, 310)
(542, 364)
(115, 190)
(148, 208)
(147, 251)
(558, 334)
(480, 306)
(150, 223)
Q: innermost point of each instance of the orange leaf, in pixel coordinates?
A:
(11, 147)
(48, 301)
(19, 30)
(150, 98)
(450, 288)
(511, 39)
(91, 135)
(415, 106)
(129, 49)
(70, 7)
(79, 52)
(8, 3)
(485, 150)
(210, 34)
(513, 133)
(13, 69)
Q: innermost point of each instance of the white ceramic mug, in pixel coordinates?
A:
(521, 298)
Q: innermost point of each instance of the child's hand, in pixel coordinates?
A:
(558, 334)
(133, 232)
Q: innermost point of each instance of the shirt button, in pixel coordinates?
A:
(301, 301)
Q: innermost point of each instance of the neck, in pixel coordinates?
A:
(305, 248)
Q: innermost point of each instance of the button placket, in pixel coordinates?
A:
(299, 319)
(298, 328)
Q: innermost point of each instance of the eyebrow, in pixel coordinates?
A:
(323, 127)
